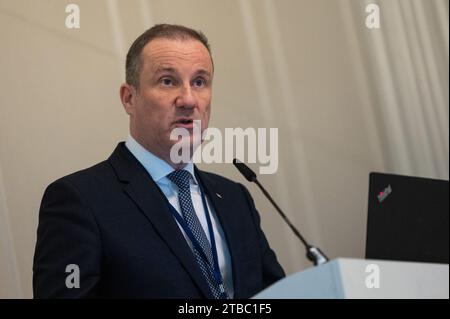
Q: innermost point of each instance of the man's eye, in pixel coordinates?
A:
(167, 81)
(199, 82)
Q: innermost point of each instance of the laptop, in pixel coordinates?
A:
(407, 219)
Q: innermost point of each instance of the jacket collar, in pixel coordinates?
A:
(141, 188)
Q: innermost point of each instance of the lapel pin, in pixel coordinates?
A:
(218, 195)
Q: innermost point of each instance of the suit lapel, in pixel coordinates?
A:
(146, 194)
(225, 211)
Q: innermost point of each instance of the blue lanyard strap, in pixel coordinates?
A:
(216, 269)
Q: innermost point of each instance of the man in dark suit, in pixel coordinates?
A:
(140, 224)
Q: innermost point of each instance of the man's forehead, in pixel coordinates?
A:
(168, 68)
(164, 53)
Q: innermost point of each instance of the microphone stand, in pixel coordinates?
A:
(314, 254)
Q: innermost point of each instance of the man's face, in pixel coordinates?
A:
(175, 89)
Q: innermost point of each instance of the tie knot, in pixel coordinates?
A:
(180, 178)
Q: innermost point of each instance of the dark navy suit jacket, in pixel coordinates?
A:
(112, 221)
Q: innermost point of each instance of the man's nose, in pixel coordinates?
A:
(186, 98)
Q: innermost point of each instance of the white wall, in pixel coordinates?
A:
(346, 100)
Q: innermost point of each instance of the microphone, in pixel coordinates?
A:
(313, 253)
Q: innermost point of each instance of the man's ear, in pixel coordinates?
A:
(128, 97)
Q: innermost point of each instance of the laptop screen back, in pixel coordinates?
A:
(407, 219)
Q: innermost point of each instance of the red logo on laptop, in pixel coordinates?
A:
(382, 195)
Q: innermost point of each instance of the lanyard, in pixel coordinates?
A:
(216, 269)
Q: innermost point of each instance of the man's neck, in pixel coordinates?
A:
(163, 155)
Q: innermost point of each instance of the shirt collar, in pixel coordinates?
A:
(155, 166)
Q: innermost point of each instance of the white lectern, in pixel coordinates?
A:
(358, 278)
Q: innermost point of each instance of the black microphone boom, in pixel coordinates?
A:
(313, 254)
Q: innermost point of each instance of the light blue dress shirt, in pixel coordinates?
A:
(158, 170)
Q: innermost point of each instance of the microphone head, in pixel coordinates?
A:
(245, 170)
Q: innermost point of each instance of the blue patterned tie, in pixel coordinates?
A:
(181, 179)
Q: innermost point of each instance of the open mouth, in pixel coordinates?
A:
(184, 122)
